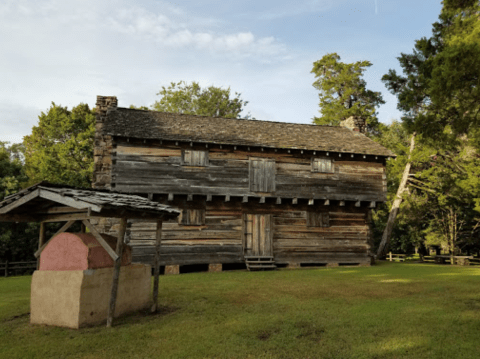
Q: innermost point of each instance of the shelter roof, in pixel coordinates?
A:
(39, 200)
(143, 124)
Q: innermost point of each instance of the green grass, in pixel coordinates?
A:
(391, 310)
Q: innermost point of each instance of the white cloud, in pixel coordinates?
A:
(175, 32)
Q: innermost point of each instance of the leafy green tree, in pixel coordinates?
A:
(192, 99)
(445, 194)
(17, 240)
(60, 148)
(440, 85)
(343, 92)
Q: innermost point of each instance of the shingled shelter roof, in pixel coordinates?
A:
(37, 200)
(179, 127)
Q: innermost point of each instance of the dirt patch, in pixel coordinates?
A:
(265, 334)
(20, 316)
(309, 331)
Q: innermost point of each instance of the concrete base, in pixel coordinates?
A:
(172, 269)
(78, 298)
(215, 267)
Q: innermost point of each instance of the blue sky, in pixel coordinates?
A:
(69, 51)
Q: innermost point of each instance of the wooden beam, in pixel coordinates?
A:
(295, 200)
(245, 199)
(68, 201)
(41, 241)
(61, 230)
(100, 239)
(18, 218)
(19, 202)
(209, 197)
(65, 217)
(279, 200)
(156, 271)
(311, 202)
(116, 271)
(262, 199)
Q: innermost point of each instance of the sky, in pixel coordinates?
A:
(70, 51)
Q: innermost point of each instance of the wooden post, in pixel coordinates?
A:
(6, 268)
(390, 256)
(41, 240)
(158, 244)
(116, 271)
(396, 204)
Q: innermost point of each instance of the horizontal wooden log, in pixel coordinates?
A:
(180, 250)
(191, 258)
(342, 249)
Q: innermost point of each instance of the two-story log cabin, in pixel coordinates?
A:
(256, 192)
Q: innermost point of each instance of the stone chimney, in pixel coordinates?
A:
(355, 123)
(102, 155)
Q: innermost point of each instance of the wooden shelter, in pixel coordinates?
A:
(46, 202)
(262, 193)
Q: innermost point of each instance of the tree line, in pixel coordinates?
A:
(438, 94)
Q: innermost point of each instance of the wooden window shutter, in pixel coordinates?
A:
(322, 165)
(262, 175)
(195, 158)
(193, 217)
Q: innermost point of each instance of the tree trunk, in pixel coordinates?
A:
(382, 249)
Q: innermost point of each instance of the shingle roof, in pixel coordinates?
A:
(143, 124)
(97, 200)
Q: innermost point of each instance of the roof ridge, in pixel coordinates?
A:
(229, 118)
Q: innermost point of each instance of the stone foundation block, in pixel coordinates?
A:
(293, 265)
(172, 269)
(332, 265)
(215, 267)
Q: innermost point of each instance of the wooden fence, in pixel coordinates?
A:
(14, 267)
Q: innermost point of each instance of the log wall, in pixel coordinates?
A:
(159, 169)
(220, 240)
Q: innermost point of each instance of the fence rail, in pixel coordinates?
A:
(13, 267)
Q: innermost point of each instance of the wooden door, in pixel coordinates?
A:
(258, 235)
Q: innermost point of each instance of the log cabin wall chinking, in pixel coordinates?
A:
(262, 193)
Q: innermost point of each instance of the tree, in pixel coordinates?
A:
(191, 99)
(441, 82)
(343, 92)
(438, 95)
(60, 148)
(448, 189)
(17, 240)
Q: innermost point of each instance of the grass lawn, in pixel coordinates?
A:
(391, 310)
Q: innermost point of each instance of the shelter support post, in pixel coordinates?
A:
(42, 244)
(41, 241)
(158, 244)
(116, 271)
